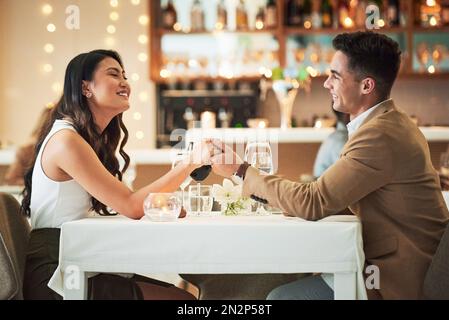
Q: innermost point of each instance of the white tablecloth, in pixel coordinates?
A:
(201, 245)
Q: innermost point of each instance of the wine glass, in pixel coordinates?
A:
(181, 156)
(259, 155)
(200, 200)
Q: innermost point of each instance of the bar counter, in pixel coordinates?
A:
(297, 148)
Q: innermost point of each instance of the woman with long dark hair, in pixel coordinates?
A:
(76, 169)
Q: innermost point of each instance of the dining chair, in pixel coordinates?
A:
(14, 235)
(238, 286)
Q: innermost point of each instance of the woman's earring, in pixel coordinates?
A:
(89, 95)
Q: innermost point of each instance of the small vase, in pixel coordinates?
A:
(239, 207)
(286, 93)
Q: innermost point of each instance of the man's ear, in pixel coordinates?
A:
(368, 85)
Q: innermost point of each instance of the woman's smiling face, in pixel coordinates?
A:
(109, 88)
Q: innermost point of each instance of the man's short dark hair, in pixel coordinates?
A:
(371, 55)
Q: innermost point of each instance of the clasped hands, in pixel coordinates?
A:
(224, 161)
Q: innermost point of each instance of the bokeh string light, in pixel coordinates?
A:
(111, 32)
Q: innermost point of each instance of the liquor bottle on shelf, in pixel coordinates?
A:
(222, 16)
(335, 20)
(352, 5)
(404, 6)
(382, 4)
(241, 16)
(197, 17)
(445, 12)
(393, 13)
(307, 14)
(344, 21)
(271, 15)
(169, 16)
(189, 118)
(326, 14)
(417, 12)
(316, 17)
(260, 18)
(294, 9)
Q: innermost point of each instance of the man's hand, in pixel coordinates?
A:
(226, 163)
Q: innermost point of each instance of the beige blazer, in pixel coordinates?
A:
(385, 176)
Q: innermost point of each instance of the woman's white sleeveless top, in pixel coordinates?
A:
(52, 202)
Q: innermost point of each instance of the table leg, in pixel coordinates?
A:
(77, 288)
(345, 286)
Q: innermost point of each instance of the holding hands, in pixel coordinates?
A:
(225, 163)
(201, 153)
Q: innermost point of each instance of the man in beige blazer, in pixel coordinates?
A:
(384, 175)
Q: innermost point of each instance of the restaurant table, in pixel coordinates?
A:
(211, 245)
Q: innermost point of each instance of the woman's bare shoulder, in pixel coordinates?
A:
(66, 141)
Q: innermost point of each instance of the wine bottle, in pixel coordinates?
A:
(393, 12)
(294, 13)
(380, 5)
(307, 14)
(222, 16)
(260, 18)
(445, 12)
(201, 173)
(326, 14)
(197, 17)
(416, 12)
(271, 15)
(241, 16)
(169, 16)
(343, 14)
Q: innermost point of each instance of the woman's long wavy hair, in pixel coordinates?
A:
(74, 107)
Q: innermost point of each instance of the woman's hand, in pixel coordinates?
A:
(201, 153)
(227, 162)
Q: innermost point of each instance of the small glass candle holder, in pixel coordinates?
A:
(162, 207)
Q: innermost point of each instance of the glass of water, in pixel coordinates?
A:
(182, 156)
(200, 200)
(259, 155)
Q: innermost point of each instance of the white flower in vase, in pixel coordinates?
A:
(230, 198)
